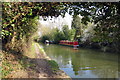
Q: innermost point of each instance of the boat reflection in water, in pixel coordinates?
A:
(84, 63)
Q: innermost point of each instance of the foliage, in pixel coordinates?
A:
(19, 18)
(54, 65)
(68, 33)
(107, 31)
(88, 32)
(56, 35)
(78, 26)
(14, 17)
(43, 38)
(76, 23)
(106, 17)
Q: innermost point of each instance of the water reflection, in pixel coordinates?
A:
(84, 63)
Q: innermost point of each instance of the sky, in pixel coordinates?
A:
(57, 22)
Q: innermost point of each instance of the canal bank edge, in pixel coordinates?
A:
(22, 66)
(54, 66)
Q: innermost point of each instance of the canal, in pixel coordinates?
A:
(83, 63)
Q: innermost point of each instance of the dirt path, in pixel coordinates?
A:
(44, 68)
(40, 69)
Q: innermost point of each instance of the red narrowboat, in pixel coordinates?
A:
(69, 43)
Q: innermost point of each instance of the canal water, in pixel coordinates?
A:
(83, 63)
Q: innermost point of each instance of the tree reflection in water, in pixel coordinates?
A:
(84, 62)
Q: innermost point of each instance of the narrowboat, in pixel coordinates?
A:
(69, 43)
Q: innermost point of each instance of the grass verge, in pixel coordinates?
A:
(54, 65)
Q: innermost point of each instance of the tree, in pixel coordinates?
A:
(13, 18)
(66, 32)
(44, 37)
(17, 17)
(77, 25)
(58, 35)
